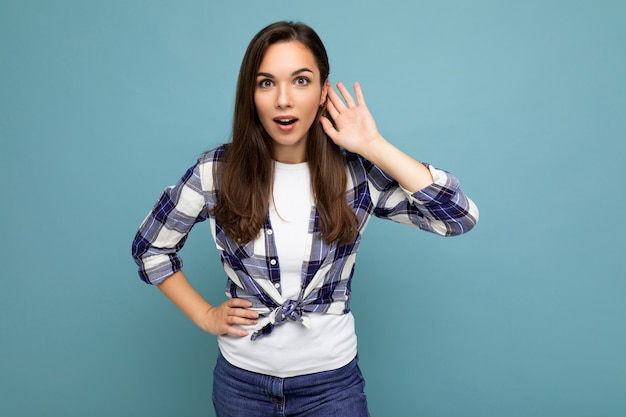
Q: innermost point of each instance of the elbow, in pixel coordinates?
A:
(457, 221)
(466, 226)
(467, 222)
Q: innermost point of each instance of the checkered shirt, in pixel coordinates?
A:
(253, 269)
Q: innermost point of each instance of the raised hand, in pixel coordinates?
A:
(354, 127)
(355, 130)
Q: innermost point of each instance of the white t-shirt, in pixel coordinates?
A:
(293, 349)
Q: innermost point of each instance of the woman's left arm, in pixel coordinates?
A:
(433, 199)
(355, 130)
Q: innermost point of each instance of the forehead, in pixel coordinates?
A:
(287, 57)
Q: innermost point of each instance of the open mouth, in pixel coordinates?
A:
(285, 122)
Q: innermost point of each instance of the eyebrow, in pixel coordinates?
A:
(293, 74)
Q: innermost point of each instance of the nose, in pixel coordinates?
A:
(283, 98)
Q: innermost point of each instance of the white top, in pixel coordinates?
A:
(293, 349)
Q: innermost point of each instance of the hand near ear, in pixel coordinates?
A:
(354, 128)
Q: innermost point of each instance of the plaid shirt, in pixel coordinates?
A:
(253, 269)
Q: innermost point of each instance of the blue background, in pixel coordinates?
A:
(104, 103)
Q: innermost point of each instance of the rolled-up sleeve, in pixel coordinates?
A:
(164, 231)
(441, 208)
(449, 212)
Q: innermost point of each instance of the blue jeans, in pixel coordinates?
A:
(241, 393)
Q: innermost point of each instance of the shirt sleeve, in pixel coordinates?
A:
(440, 208)
(164, 231)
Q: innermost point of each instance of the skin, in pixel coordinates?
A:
(357, 132)
(289, 87)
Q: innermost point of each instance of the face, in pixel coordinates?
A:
(287, 97)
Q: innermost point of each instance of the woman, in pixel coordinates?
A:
(288, 200)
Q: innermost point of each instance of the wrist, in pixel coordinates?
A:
(376, 150)
(202, 318)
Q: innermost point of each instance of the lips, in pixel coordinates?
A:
(286, 123)
(285, 120)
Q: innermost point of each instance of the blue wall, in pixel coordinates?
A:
(104, 103)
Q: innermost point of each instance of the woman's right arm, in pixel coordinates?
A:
(223, 319)
(163, 233)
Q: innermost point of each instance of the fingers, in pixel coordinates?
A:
(329, 128)
(238, 312)
(238, 303)
(240, 317)
(334, 102)
(332, 109)
(359, 94)
(335, 105)
(233, 331)
(346, 94)
(349, 101)
(230, 315)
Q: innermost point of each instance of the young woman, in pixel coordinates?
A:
(288, 201)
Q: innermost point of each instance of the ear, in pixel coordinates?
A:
(325, 88)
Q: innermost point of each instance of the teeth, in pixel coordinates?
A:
(285, 121)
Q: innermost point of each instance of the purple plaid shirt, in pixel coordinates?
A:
(253, 269)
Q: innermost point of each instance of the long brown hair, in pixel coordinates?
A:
(246, 176)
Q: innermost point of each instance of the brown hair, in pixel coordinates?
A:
(246, 176)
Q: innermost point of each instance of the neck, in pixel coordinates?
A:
(289, 154)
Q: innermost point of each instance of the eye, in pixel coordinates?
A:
(266, 83)
(302, 81)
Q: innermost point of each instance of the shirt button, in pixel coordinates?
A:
(270, 231)
(277, 285)
(273, 262)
